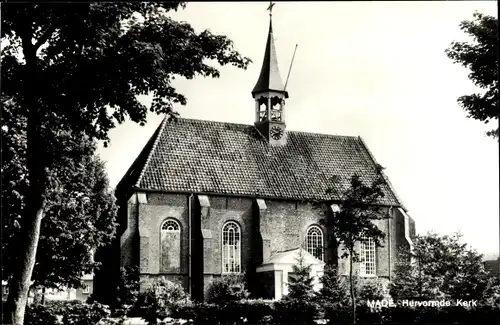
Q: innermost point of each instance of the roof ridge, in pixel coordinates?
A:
(386, 178)
(153, 148)
(212, 121)
(251, 125)
(326, 134)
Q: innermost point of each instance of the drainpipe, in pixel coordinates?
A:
(389, 233)
(189, 242)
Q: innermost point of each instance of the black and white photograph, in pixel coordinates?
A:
(240, 163)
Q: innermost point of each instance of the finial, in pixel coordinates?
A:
(270, 8)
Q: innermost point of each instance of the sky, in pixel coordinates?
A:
(373, 69)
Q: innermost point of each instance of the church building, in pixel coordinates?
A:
(206, 199)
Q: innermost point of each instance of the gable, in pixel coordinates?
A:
(196, 156)
(292, 256)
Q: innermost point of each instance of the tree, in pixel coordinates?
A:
(359, 207)
(300, 285)
(481, 57)
(80, 208)
(83, 65)
(442, 267)
(333, 289)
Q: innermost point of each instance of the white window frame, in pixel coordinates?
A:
(85, 289)
(231, 231)
(169, 228)
(368, 255)
(315, 237)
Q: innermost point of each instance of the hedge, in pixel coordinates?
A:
(286, 312)
(67, 313)
(282, 312)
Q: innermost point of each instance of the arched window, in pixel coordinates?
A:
(314, 242)
(170, 246)
(231, 248)
(367, 251)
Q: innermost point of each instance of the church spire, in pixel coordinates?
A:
(270, 78)
(269, 94)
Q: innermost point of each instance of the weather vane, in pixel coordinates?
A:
(270, 8)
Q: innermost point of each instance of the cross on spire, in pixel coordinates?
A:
(270, 8)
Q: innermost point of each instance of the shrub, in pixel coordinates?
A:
(67, 313)
(208, 314)
(334, 289)
(184, 310)
(158, 301)
(40, 315)
(370, 289)
(300, 286)
(295, 311)
(258, 311)
(249, 311)
(127, 291)
(226, 289)
(337, 313)
(79, 313)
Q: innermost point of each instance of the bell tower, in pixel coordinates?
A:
(270, 94)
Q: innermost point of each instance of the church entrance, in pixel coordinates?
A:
(278, 269)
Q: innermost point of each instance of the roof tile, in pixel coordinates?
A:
(196, 156)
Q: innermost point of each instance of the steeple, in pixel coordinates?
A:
(269, 93)
(270, 78)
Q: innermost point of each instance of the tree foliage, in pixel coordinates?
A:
(359, 208)
(80, 67)
(300, 285)
(80, 209)
(94, 59)
(333, 289)
(442, 267)
(231, 287)
(480, 56)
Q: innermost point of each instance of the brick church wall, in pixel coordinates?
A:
(153, 210)
(222, 210)
(285, 224)
(282, 225)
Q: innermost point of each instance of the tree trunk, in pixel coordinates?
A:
(31, 223)
(353, 296)
(36, 163)
(43, 296)
(20, 284)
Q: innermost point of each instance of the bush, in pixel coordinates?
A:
(226, 289)
(300, 286)
(127, 291)
(334, 290)
(40, 315)
(66, 313)
(295, 311)
(370, 289)
(158, 301)
(337, 313)
(79, 313)
(249, 311)
(258, 311)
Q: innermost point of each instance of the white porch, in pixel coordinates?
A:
(281, 265)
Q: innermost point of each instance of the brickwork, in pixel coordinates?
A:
(222, 210)
(151, 216)
(266, 227)
(285, 224)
